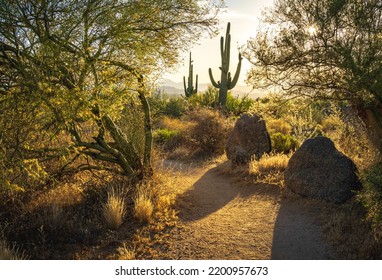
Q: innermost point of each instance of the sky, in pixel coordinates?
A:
(244, 17)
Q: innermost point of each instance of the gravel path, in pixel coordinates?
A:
(222, 219)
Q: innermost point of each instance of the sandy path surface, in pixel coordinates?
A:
(222, 219)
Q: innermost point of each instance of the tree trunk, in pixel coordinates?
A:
(148, 135)
(372, 118)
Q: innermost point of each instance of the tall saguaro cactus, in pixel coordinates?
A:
(226, 82)
(190, 90)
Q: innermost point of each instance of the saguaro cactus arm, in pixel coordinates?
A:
(196, 84)
(232, 84)
(214, 83)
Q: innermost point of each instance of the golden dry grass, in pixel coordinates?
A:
(269, 168)
(174, 124)
(143, 205)
(278, 125)
(8, 252)
(114, 209)
(126, 253)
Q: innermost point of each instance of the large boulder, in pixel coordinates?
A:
(318, 170)
(248, 139)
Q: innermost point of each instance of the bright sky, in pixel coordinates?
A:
(244, 17)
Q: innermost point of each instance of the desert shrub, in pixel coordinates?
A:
(237, 106)
(200, 132)
(209, 98)
(158, 101)
(331, 123)
(164, 135)
(282, 143)
(172, 124)
(278, 125)
(114, 209)
(143, 205)
(371, 197)
(175, 107)
(208, 135)
(162, 104)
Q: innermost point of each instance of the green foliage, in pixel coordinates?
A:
(175, 107)
(371, 197)
(210, 99)
(74, 71)
(226, 82)
(158, 101)
(299, 115)
(161, 104)
(282, 143)
(164, 135)
(237, 106)
(320, 49)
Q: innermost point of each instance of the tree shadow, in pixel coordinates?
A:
(214, 190)
(296, 236)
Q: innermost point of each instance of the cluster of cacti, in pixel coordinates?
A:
(189, 90)
(226, 82)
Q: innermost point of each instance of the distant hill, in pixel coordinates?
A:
(173, 88)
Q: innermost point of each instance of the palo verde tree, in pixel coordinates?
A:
(70, 70)
(226, 81)
(330, 49)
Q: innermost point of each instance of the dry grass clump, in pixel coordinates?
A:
(173, 124)
(269, 163)
(126, 253)
(8, 252)
(54, 216)
(114, 209)
(143, 205)
(269, 168)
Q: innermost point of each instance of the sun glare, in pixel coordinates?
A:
(312, 30)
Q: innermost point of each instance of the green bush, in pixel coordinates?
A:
(164, 135)
(175, 107)
(282, 143)
(237, 106)
(371, 197)
(209, 98)
(161, 104)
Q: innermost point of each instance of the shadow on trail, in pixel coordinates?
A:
(296, 236)
(215, 190)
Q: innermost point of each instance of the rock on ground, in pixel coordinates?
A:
(318, 170)
(248, 139)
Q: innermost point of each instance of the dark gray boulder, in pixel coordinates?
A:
(318, 170)
(249, 139)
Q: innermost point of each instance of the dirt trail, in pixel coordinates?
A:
(222, 219)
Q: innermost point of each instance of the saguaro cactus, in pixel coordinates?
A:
(226, 82)
(190, 90)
